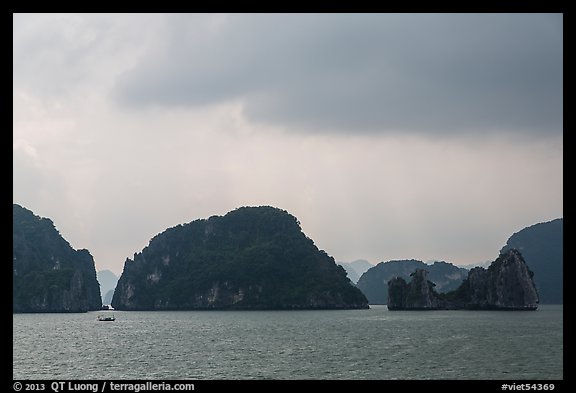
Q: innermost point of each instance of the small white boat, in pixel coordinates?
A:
(106, 318)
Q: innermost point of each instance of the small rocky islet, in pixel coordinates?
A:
(507, 284)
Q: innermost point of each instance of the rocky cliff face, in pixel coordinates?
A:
(251, 258)
(418, 294)
(374, 282)
(506, 285)
(48, 275)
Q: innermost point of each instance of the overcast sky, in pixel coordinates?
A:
(389, 136)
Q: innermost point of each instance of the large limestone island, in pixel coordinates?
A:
(48, 275)
(250, 258)
(506, 285)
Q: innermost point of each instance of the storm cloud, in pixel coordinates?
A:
(389, 136)
(356, 73)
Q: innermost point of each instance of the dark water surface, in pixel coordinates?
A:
(354, 344)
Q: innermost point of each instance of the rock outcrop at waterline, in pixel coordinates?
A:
(48, 275)
(506, 285)
(374, 282)
(418, 294)
(250, 258)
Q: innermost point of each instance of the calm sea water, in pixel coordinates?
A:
(355, 344)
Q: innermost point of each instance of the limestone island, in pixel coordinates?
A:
(507, 284)
(252, 258)
(48, 275)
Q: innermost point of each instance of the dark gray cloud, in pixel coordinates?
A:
(362, 72)
(100, 169)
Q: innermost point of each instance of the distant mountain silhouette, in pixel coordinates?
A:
(356, 268)
(542, 246)
(250, 258)
(374, 282)
(108, 281)
(107, 298)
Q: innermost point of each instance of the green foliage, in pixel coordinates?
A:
(460, 294)
(542, 246)
(44, 265)
(258, 251)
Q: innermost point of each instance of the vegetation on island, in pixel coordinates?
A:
(48, 275)
(250, 258)
(542, 246)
